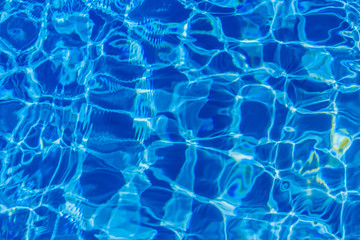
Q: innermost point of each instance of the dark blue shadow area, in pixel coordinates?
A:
(165, 234)
(167, 78)
(155, 199)
(255, 119)
(223, 62)
(207, 173)
(99, 186)
(282, 196)
(117, 124)
(318, 27)
(206, 222)
(170, 160)
(207, 42)
(284, 156)
(259, 195)
(48, 74)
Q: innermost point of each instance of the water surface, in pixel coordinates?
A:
(179, 119)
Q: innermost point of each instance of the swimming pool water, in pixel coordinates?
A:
(179, 119)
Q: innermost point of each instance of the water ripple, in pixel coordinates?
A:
(173, 119)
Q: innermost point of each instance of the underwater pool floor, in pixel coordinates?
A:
(180, 119)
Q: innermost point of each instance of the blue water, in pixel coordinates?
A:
(179, 119)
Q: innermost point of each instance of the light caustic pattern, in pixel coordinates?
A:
(174, 119)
